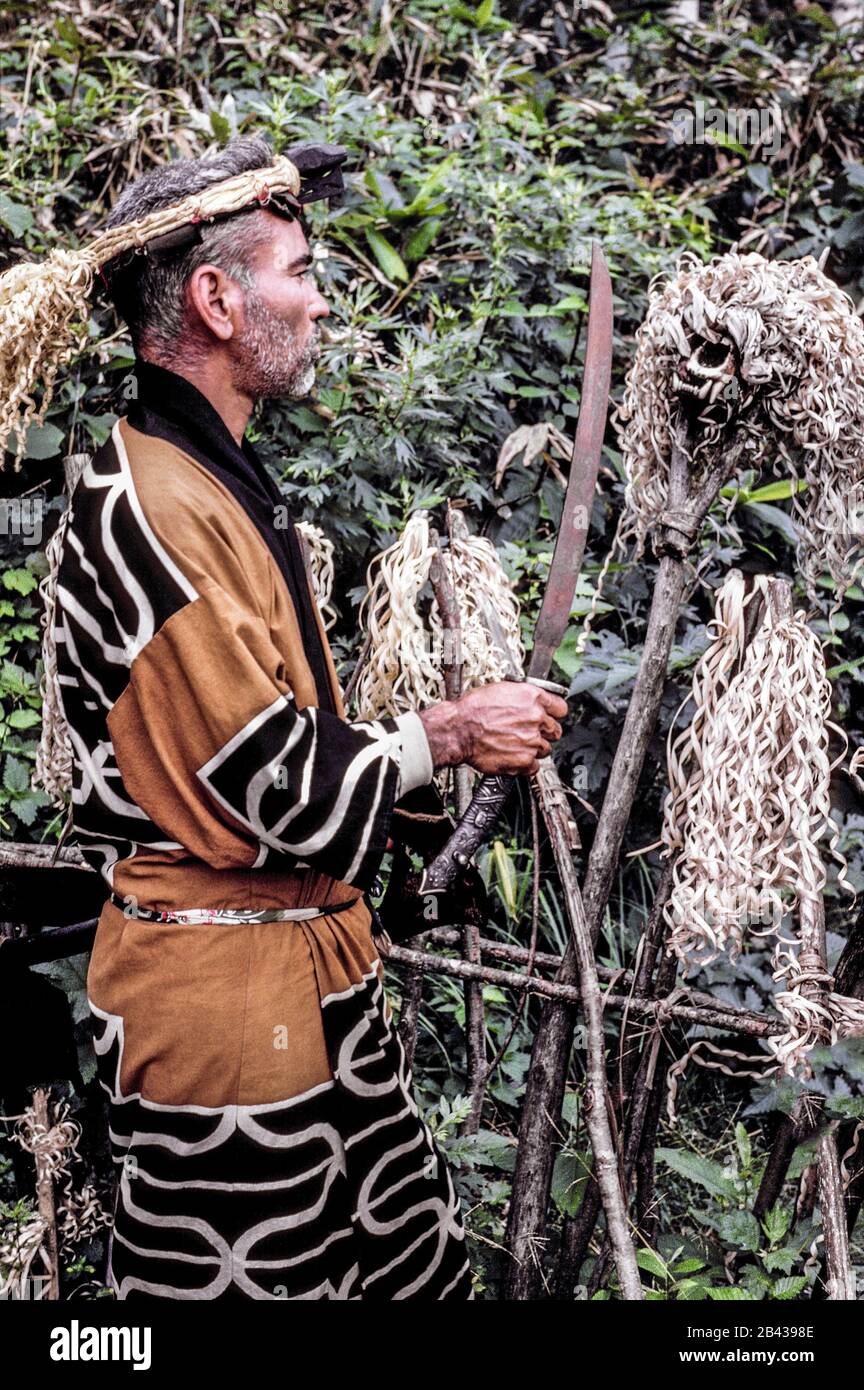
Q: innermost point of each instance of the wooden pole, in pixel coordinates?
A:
(596, 1107)
(475, 1023)
(687, 505)
(735, 1020)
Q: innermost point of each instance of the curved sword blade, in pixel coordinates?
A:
(584, 464)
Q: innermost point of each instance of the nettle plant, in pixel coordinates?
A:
(739, 1257)
(20, 696)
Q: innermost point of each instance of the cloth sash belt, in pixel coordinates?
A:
(192, 915)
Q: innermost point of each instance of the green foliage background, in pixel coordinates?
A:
(490, 144)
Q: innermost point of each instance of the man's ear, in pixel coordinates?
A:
(215, 301)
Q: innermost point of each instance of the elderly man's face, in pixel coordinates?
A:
(277, 348)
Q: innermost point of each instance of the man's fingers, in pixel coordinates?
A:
(551, 729)
(553, 704)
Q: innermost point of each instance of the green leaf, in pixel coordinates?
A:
(848, 1107)
(23, 718)
(26, 806)
(775, 1224)
(14, 216)
(789, 1287)
(568, 1181)
(384, 189)
(730, 1295)
(16, 777)
(100, 426)
(688, 1266)
(845, 668)
(652, 1263)
(14, 680)
(220, 126)
(70, 975)
(776, 492)
(43, 442)
(20, 581)
(571, 304)
(421, 240)
(760, 176)
(575, 303)
(387, 257)
(691, 1290)
(777, 519)
(486, 1149)
(782, 1259)
(505, 875)
(566, 656)
(422, 199)
(24, 632)
(484, 13)
(736, 1228)
(571, 1109)
(704, 1171)
(851, 232)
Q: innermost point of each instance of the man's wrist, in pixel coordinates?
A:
(415, 762)
(446, 734)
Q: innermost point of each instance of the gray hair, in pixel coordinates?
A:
(150, 295)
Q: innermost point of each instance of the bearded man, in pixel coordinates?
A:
(262, 1117)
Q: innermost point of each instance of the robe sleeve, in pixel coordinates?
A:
(211, 744)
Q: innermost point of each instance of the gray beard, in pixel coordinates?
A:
(268, 361)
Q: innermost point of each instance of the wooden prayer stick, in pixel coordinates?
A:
(475, 1023)
(596, 1107)
(544, 1090)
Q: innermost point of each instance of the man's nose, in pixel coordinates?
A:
(318, 306)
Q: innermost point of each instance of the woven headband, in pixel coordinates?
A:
(43, 305)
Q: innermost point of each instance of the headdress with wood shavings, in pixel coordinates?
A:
(44, 305)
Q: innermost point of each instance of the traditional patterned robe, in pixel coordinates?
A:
(262, 1119)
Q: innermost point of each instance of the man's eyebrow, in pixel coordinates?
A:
(301, 263)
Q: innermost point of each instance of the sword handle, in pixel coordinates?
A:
(474, 828)
(480, 819)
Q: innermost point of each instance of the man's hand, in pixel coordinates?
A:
(505, 727)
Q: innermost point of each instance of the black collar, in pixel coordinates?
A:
(169, 407)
